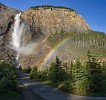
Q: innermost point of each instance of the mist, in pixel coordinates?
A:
(18, 33)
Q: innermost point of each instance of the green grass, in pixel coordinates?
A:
(82, 51)
(64, 86)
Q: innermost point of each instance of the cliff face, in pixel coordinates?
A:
(49, 21)
(43, 23)
(39, 24)
(6, 27)
(6, 18)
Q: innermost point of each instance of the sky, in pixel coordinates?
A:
(93, 11)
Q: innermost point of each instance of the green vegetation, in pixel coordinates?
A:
(56, 72)
(8, 82)
(38, 75)
(79, 43)
(49, 7)
(57, 38)
(89, 39)
(27, 70)
(86, 78)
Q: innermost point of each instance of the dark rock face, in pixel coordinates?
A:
(6, 27)
(39, 24)
(6, 18)
(7, 54)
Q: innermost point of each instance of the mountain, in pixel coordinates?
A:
(47, 31)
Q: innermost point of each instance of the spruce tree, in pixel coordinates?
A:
(95, 74)
(57, 73)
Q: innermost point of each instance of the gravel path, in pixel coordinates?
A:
(26, 89)
(32, 90)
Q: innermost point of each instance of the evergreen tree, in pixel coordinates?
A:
(95, 74)
(57, 74)
(79, 79)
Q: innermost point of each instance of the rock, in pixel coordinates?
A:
(39, 24)
(47, 21)
(6, 27)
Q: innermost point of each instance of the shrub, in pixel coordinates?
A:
(27, 70)
(34, 73)
(7, 78)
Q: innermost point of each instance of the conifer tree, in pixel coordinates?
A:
(95, 73)
(57, 74)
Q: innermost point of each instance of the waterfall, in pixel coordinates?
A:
(17, 36)
(17, 33)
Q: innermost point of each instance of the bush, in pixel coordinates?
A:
(42, 75)
(27, 70)
(39, 75)
(7, 78)
(34, 73)
(7, 85)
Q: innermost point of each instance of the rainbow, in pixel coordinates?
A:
(53, 53)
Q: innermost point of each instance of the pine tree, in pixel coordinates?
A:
(79, 78)
(57, 73)
(95, 74)
(76, 76)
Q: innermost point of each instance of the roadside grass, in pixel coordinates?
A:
(65, 86)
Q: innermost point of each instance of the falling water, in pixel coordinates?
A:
(16, 36)
(17, 33)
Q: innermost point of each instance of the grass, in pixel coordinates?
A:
(64, 86)
(80, 52)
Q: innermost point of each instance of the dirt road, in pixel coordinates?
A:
(33, 90)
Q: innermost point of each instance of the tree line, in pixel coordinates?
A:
(89, 39)
(50, 7)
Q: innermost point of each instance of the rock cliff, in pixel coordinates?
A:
(39, 24)
(51, 20)
(6, 27)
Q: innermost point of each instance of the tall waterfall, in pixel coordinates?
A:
(16, 36)
(17, 33)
